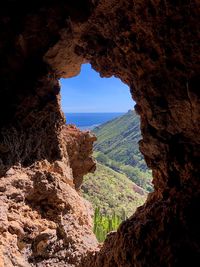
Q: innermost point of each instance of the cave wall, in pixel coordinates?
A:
(30, 101)
(153, 47)
(43, 218)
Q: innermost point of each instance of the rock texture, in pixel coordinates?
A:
(152, 46)
(43, 220)
(80, 153)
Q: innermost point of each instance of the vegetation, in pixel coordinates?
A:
(111, 191)
(134, 173)
(118, 139)
(117, 148)
(103, 224)
(122, 179)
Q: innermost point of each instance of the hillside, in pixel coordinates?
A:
(118, 139)
(122, 180)
(112, 191)
(117, 148)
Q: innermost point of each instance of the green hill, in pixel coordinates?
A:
(117, 148)
(112, 192)
(122, 180)
(118, 139)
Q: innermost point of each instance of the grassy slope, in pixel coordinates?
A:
(119, 163)
(111, 191)
(117, 148)
(118, 139)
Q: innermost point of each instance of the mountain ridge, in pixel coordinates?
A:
(117, 147)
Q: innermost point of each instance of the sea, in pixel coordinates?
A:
(88, 121)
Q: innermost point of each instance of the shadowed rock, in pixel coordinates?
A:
(153, 47)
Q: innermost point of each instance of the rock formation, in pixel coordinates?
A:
(43, 220)
(79, 147)
(153, 47)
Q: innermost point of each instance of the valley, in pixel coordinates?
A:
(122, 180)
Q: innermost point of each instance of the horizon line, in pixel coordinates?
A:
(97, 112)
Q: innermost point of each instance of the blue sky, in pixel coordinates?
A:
(88, 92)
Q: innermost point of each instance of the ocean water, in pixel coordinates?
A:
(90, 120)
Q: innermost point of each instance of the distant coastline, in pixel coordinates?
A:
(88, 121)
(91, 127)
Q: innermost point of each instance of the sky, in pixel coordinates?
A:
(88, 92)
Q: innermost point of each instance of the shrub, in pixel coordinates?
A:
(103, 224)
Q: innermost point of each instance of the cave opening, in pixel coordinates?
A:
(153, 47)
(121, 180)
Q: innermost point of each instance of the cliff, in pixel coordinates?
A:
(43, 219)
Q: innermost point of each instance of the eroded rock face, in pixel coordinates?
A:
(153, 47)
(43, 220)
(80, 153)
